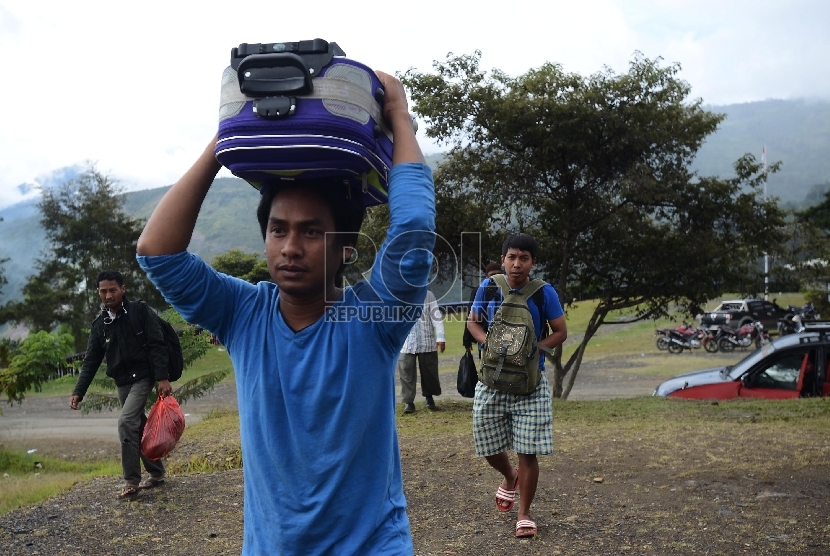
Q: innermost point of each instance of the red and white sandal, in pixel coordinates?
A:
(525, 528)
(505, 498)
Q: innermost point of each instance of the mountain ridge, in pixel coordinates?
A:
(797, 132)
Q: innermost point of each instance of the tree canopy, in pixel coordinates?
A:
(195, 343)
(807, 256)
(597, 169)
(247, 266)
(35, 362)
(3, 280)
(87, 232)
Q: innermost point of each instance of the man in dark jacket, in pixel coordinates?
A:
(129, 365)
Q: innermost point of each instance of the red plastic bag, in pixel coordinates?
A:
(165, 425)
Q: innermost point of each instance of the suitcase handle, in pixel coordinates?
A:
(281, 73)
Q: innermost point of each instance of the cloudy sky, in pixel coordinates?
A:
(134, 86)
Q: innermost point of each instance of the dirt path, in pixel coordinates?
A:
(48, 426)
(601, 493)
(598, 494)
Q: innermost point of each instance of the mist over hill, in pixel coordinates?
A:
(796, 132)
(227, 221)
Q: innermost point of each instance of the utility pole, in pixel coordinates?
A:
(766, 256)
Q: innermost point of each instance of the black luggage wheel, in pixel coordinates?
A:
(272, 108)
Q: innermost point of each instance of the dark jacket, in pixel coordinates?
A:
(127, 360)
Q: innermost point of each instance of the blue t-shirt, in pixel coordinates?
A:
(322, 468)
(552, 308)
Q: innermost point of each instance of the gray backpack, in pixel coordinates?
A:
(510, 359)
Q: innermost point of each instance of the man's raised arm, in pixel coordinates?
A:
(170, 226)
(396, 113)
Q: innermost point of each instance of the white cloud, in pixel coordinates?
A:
(738, 51)
(135, 86)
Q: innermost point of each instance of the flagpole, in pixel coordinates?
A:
(766, 256)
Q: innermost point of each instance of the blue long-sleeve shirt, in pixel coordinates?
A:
(317, 407)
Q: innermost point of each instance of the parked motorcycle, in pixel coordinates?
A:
(710, 342)
(661, 338)
(743, 337)
(794, 322)
(690, 338)
(661, 335)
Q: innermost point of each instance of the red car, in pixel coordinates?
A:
(792, 366)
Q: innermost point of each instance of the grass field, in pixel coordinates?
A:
(614, 341)
(629, 341)
(213, 360)
(30, 478)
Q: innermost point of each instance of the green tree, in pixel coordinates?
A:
(35, 362)
(8, 349)
(247, 266)
(87, 231)
(372, 235)
(6, 311)
(807, 257)
(3, 280)
(597, 168)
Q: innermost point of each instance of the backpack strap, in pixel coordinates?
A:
(137, 324)
(527, 292)
(500, 280)
(533, 290)
(539, 299)
(490, 290)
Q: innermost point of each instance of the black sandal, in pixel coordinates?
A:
(151, 482)
(128, 491)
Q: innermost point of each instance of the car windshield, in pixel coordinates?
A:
(744, 364)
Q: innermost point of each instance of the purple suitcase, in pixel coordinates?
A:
(298, 111)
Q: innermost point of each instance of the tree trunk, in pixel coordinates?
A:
(559, 388)
(558, 374)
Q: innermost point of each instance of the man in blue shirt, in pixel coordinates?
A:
(505, 421)
(314, 363)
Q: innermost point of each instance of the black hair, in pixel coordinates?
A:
(344, 201)
(492, 267)
(522, 242)
(110, 275)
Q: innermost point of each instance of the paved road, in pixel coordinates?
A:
(51, 417)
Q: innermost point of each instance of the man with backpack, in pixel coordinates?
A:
(134, 364)
(512, 407)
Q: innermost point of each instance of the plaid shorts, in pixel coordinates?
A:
(504, 421)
